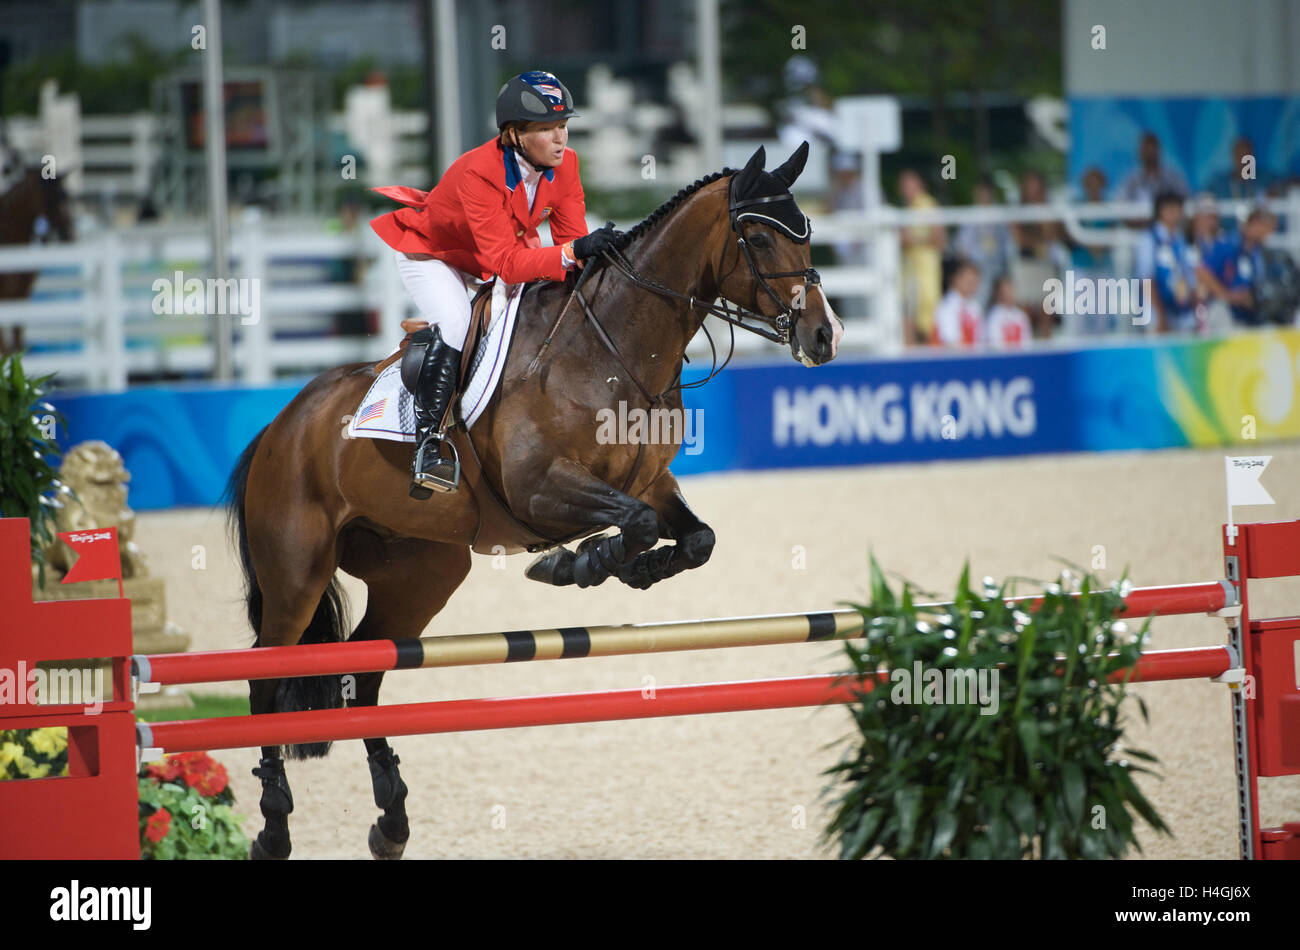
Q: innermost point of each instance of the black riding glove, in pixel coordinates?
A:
(596, 242)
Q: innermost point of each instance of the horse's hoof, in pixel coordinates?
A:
(383, 848)
(256, 852)
(552, 567)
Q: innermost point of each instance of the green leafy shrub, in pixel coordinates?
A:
(29, 479)
(185, 810)
(1038, 772)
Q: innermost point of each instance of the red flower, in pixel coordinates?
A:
(195, 762)
(209, 785)
(159, 823)
(166, 771)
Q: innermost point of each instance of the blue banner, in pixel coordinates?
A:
(180, 443)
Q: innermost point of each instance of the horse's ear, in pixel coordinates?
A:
(748, 175)
(789, 171)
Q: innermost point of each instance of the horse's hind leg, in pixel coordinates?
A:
(296, 605)
(409, 581)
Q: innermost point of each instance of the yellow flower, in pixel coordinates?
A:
(37, 771)
(9, 751)
(42, 741)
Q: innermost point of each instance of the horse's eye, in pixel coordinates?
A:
(760, 240)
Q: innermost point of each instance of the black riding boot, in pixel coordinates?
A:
(430, 471)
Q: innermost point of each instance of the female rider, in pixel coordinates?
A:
(481, 220)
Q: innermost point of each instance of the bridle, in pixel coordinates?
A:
(48, 198)
(776, 328)
(809, 274)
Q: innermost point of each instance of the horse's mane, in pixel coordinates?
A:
(658, 214)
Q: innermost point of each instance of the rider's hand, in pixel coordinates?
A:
(596, 242)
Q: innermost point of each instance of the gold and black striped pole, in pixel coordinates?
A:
(562, 643)
(475, 649)
(558, 643)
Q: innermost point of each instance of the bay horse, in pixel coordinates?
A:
(35, 206)
(305, 501)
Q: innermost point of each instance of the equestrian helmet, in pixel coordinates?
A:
(534, 96)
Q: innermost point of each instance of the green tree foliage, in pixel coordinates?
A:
(929, 49)
(898, 47)
(120, 85)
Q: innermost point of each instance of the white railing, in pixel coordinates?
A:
(93, 320)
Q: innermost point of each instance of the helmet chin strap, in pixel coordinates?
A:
(518, 147)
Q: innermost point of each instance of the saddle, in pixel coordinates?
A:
(499, 530)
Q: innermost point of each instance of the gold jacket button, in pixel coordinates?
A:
(519, 233)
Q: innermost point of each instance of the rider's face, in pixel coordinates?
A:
(543, 142)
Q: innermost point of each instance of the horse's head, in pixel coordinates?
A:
(53, 204)
(772, 273)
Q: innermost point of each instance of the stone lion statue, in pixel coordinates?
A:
(95, 471)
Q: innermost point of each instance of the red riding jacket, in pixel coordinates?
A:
(476, 218)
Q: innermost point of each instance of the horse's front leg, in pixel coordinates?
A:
(571, 496)
(694, 538)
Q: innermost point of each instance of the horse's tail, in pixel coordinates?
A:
(328, 625)
(238, 524)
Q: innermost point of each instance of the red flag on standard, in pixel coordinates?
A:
(97, 555)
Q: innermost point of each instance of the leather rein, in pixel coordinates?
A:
(775, 328)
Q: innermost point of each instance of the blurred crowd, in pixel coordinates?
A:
(987, 283)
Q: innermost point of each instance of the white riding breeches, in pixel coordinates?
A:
(440, 292)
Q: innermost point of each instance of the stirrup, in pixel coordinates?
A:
(437, 474)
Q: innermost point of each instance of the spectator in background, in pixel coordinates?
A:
(1038, 244)
(1007, 326)
(1279, 189)
(959, 318)
(922, 261)
(808, 113)
(1093, 261)
(988, 245)
(1152, 176)
(1277, 292)
(1247, 267)
(1213, 252)
(1232, 183)
(1094, 185)
(1165, 258)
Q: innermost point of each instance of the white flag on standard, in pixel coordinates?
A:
(1243, 480)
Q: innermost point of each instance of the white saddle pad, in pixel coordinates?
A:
(388, 411)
